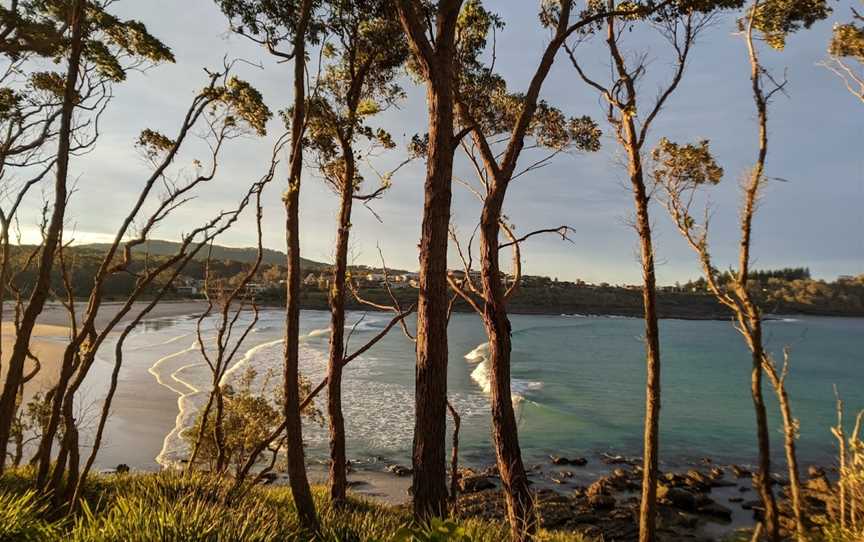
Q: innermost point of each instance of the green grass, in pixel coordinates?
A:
(169, 507)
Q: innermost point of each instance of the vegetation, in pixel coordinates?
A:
(169, 507)
(349, 61)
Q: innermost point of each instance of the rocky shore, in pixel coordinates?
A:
(704, 503)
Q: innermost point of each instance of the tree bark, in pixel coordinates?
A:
(52, 235)
(429, 485)
(520, 504)
(291, 385)
(651, 436)
(430, 403)
(338, 459)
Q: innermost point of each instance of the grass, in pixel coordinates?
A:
(169, 507)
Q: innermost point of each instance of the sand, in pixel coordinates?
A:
(143, 411)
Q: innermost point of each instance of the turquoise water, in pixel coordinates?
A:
(580, 382)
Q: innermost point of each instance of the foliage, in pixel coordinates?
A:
(776, 19)
(40, 27)
(249, 417)
(488, 102)
(22, 517)
(359, 80)
(271, 22)
(168, 506)
(435, 530)
(848, 41)
(685, 165)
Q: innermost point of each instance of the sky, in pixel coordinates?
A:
(814, 218)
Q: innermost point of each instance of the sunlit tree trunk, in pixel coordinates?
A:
(430, 399)
(338, 459)
(291, 385)
(52, 234)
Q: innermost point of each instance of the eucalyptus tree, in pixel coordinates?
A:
(274, 25)
(681, 170)
(679, 23)
(431, 30)
(847, 54)
(227, 108)
(97, 49)
(364, 57)
(502, 125)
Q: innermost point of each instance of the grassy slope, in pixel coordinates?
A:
(168, 507)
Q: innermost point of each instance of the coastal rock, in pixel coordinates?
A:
(819, 484)
(740, 472)
(473, 484)
(577, 461)
(815, 471)
(752, 505)
(716, 510)
(610, 459)
(601, 502)
(677, 497)
(399, 470)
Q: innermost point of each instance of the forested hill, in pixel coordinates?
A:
(243, 255)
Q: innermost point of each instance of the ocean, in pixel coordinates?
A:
(578, 384)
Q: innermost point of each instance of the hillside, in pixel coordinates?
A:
(244, 255)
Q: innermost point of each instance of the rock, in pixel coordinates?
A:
(399, 470)
(610, 459)
(717, 473)
(269, 477)
(740, 472)
(473, 484)
(814, 471)
(750, 505)
(698, 480)
(601, 502)
(736, 499)
(577, 461)
(677, 497)
(716, 510)
(818, 484)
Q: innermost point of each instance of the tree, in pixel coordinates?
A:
(493, 116)
(434, 56)
(847, 54)
(679, 23)
(230, 108)
(99, 49)
(273, 24)
(357, 83)
(682, 170)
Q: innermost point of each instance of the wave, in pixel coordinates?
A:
(519, 388)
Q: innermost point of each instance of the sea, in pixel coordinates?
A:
(578, 383)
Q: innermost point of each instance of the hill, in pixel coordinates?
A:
(158, 247)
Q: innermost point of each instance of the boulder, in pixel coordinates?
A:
(740, 472)
(473, 484)
(715, 510)
(677, 497)
(399, 470)
(601, 502)
(559, 460)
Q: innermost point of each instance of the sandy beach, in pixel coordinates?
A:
(143, 411)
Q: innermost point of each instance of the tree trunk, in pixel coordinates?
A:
(789, 431)
(762, 481)
(338, 460)
(520, 504)
(430, 398)
(52, 235)
(291, 385)
(651, 436)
